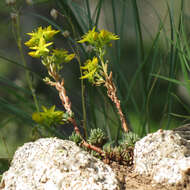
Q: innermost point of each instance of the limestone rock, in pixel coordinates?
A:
(54, 164)
(165, 156)
(184, 131)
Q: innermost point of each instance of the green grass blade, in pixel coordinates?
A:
(185, 106)
(5, 82)
(4, 122)
(12, 61)
(98, 9)
(74, 15)
(138, 25)
(139, 69)
(89, 14)
(180, 116)
(16, 111)
(171, 80)
(115, 29)
(56, 26)
(171, 64)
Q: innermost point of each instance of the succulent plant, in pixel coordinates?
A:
(97, 137)
(119, 154)
(75, 138)
(129, 139)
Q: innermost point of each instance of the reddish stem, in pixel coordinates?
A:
(67, 105)
(111, 91)
(92, 147)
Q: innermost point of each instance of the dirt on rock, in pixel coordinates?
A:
(131, 181)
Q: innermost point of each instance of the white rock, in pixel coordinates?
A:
(164, 155)
(54, 164)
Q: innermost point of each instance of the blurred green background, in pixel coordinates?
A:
(150, 65)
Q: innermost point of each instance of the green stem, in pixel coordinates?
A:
(27, 73)
(101, 56)
(82, 82)
(83, 101)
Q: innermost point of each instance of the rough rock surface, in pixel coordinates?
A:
(54, 164)
(165, 156)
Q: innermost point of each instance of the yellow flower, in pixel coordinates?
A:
(41, 49)
(90, 37)
(61, 56)
(98, 39)
(69, 57)
(89, 65)
(49, 116)
(39, 41)
(48, 33)
(36, 116)
(89, 75)
(35, 37)
(90, 68)
(105, 37)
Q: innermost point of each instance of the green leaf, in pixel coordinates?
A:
(170, 80)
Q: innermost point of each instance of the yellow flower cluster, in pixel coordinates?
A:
(98, 39)
(39, 41)
(61, 55)
(92, 71)
(49, 116)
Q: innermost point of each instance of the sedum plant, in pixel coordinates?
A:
(97, 137)
(53, 59)
(95, 70)
(119, 154)
(75, 138)
(129, 139)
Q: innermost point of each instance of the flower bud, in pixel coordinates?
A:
(13, 17)
(89, 48)
(66, 33)
(54, 13)
(10, 2)
(29, 2)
